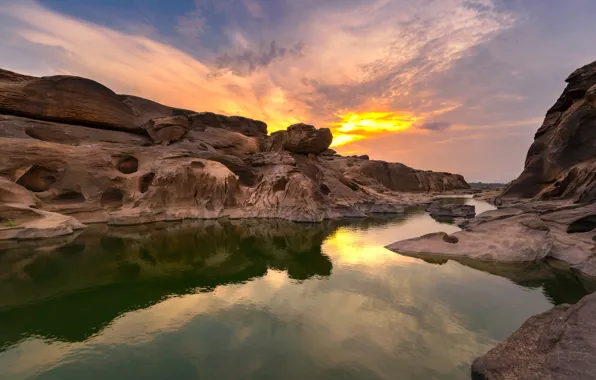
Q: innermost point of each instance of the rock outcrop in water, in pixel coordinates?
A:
(549, 212)
(72, 151)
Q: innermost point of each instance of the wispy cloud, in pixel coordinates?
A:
(191, 24)
(386, 76)
(247, 61)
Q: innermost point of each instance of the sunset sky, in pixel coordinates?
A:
(449, 85)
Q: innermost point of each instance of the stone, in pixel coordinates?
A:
(271, 159)
(558, 344)
(246, 126)
(66, 99)
(560, 163)
(306, 139)
(399, 177)
(438, 210)
(519, 234)
(168, 129)
(21, 218)
(87, 155)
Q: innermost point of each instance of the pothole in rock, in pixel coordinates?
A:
(38, 179)
(69, 197)
(145, 182)
(197, 165)
(280, 185)
(585, 224)
(325, 189)
(112, 198)
(126, 164)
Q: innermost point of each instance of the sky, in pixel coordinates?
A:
(444, 85)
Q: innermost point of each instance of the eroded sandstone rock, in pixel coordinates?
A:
(306, 139)
(438, 210)
(166, 130)
(64, 99)
(561, 163)
(89, 155)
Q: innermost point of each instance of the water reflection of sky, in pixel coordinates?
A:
(377, 316)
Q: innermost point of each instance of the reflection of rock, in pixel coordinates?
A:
(141, 265)
(558, 344)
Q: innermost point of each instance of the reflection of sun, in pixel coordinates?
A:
(348, 246)
(356, 126)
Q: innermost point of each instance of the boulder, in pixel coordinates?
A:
(166, 130)
(246, 126)
(558, 344)
(306, 139)
(66, 99)
(275, 141)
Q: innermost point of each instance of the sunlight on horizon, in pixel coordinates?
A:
(358, 126)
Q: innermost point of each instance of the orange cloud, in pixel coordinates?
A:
(352, 58)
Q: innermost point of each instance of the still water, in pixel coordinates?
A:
(259, 300)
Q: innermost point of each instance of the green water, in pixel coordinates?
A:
(258, 300)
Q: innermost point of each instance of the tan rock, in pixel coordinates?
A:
(166, 130)
(306, 139)
(85, 152)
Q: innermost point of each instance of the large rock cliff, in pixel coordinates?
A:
(72, 151)
(561, 163)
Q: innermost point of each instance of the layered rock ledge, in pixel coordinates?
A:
(73, 152)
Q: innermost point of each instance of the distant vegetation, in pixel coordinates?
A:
(485, 185)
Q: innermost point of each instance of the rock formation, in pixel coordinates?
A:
(74, 152)
(561, 163)
(450, 211)
(549, 212)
